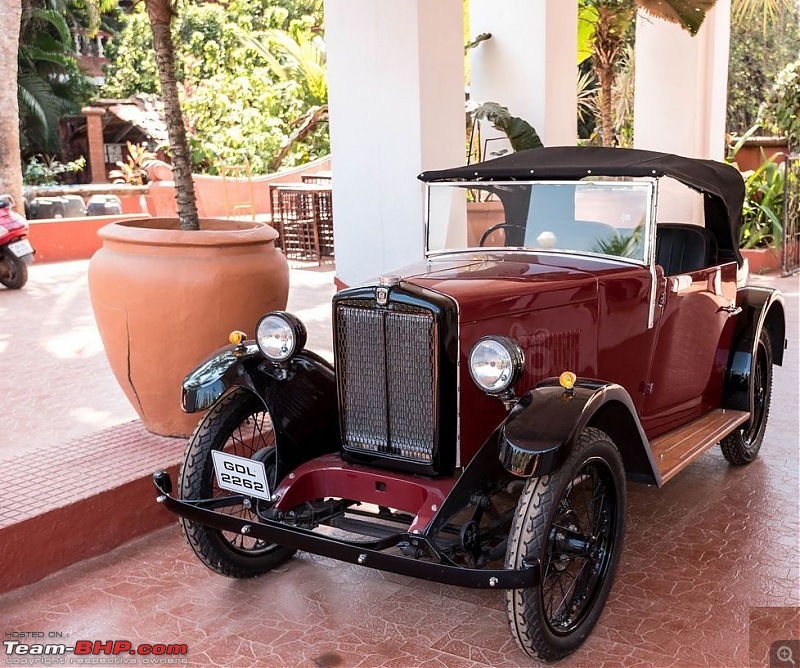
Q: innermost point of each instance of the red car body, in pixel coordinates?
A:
(487, 404)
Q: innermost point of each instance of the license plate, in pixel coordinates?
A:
(239, 474)
(21, 247)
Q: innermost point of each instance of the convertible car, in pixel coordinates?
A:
(581, 319)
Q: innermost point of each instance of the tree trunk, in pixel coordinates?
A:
(160, 13)
(609, 39)
(10, 163)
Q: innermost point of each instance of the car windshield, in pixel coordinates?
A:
(604, 216)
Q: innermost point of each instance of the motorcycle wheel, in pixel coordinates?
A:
(13, 271)
(572, 521)
(239, 425)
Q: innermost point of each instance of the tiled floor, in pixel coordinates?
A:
(709, 577)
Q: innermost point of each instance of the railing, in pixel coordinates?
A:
(303, 216)
(790, 248)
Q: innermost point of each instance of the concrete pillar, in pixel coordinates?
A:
(681, 85)
(529, 64)
(396, 95)
(94, 135)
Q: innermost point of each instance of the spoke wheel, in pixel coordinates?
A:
(572, 521)
(742, 445)
(238, 425)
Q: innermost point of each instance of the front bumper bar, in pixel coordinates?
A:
(368, 554)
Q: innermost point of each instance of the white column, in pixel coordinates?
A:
(681, 85)
(529, 65)
(396, 95)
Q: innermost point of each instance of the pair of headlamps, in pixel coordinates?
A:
(495, 362)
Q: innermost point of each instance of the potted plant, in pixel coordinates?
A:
(762, 215)
(165, 291)
(484, 213)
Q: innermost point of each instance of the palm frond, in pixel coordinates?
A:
(688, 14)
(747, 11)
(56, 20)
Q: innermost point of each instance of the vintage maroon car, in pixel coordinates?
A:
(581, 318)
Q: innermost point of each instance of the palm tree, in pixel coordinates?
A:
(302, 60)
(609, 20)
(10, 166)
(160, 14)
(45, 76)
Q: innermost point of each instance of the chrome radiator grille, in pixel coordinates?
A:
(386, 363)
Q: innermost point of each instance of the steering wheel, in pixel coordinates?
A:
(499, 226)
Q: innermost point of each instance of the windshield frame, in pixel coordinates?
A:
(648, 236)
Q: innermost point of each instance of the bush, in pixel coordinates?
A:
(762, 213)
(780, 113)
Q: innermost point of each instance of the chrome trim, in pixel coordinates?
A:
(532, 251)
(650, 253)
(651, 180)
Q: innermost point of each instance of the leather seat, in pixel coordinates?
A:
(682, 248)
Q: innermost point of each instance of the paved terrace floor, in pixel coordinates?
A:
(708, 577)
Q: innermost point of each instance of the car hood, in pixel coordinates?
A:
(486, 285)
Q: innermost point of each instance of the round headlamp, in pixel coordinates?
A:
(495, 363)
(280, 336)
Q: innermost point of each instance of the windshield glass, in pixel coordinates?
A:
(604, 216)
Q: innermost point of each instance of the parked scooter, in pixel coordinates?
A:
(16, 252)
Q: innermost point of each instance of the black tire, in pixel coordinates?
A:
(741, 446)
(573, 521)
(239, 425)
(16, 271)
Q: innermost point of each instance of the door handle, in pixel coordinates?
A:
(730, 310)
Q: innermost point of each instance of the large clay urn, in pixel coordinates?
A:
(164, 299)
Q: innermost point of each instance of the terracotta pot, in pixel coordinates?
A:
(762, 260)
(165, 299)
(480, 217)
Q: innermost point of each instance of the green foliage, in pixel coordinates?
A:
(133, 65)
(760, 47)
(134, 170)
(762, 214)
(249, 71)
(621, 245)
(781, 111)
(49, 82)
(520, 133)
(45, 170)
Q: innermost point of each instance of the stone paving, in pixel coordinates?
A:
(709, 576)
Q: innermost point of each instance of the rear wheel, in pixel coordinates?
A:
(239, 425)
(572, 521)
(13, 271)
(742, 445)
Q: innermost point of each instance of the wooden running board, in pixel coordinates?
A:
(678, 448)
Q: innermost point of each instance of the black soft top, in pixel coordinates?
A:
(722, 184)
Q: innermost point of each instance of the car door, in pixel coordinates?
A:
(692, 341)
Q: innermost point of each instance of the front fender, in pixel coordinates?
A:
(300, 397)
(541, 430)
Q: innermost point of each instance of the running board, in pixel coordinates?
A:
(678, 448)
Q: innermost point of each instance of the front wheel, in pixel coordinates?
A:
(13, 271)
(572, 521)
(239, 425)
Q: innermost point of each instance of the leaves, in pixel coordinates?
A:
(248, 71)
(520, 133)
(762, 212)
(688, 14)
